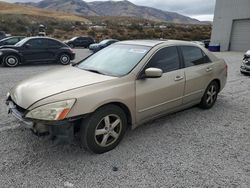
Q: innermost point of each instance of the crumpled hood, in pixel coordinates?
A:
(53, 82)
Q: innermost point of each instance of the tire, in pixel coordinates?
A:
(244, 73)
(104, 129)
(210, 96)
(64, 59)
(11, 60)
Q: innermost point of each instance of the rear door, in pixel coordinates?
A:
(155, 96)
(78, 42)
(198, 72)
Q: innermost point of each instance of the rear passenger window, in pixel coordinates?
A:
(166, 59)
(194, 56)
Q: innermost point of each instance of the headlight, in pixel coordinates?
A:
(52, 111)
(1, 53)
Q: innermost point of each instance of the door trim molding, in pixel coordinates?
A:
(161, 104)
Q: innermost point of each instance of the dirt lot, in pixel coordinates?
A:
(193, 148)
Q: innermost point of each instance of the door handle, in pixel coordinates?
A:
(178, 78)
(209, 69)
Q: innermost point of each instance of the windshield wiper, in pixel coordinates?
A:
(95, 71)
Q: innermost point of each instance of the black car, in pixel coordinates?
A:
(2, 35)
(11, 40)
(103, 44)
(245, 67)
(36, 49)
(80, 42)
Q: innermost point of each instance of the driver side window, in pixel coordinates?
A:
(37, 43)
(166, 59)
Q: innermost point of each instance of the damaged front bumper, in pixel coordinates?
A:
(12, 109)
(245, 69)
(62, 130)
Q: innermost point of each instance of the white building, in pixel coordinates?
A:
(231, 27)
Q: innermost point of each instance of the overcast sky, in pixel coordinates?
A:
(199, 9)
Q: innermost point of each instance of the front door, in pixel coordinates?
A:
(155, 96)
(35, 50)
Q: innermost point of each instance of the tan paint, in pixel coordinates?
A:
(145, 98)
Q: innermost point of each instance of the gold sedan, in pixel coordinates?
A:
(121, 86)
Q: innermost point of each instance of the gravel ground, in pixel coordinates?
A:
(192, 148)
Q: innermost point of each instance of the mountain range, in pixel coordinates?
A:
(122, 8)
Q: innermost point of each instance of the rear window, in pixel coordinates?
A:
(194, 56)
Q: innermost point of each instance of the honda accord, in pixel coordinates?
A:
(121, 86)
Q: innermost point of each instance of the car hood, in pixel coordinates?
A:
(8, 47)
(53, 82)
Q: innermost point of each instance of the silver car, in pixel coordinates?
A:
(119, 87)
(245, 66)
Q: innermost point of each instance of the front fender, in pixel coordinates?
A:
(11, 51)
(90, 98)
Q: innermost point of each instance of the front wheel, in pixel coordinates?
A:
(104, 129)
(210, 96)
(64, 59)
(11, 61)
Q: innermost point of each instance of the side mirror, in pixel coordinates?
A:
(27, 45)
(153, 73)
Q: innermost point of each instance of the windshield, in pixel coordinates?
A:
(104, 41)
(116, 60)
(21, 42)
(73, 38)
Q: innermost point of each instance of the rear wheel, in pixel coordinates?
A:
(11, 60)
(64, 59)
(104, 129)
(210, 96)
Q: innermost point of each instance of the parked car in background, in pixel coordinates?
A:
(206, 43)
(80, 42)
(36, 49)
(103, 44)
(2, 35)
(123, 85)
(11, 40)
(245, 67)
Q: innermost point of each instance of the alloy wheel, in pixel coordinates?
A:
(211, 95)
(108, 130)
(64, 59)
(11, 61)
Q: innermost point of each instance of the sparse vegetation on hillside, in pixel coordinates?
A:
(21, 20)
(8, 8)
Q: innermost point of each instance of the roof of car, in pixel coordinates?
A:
(152, 43)
(39, 37)
(7, 38)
